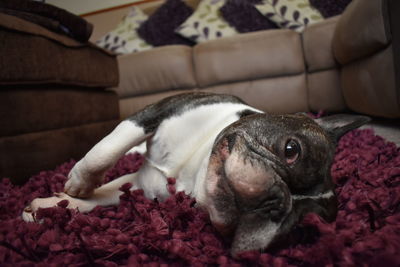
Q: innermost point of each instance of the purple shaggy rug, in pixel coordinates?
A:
(142, 232)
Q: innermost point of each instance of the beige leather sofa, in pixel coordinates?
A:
(346, 62)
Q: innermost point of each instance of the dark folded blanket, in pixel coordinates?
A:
(50, 17)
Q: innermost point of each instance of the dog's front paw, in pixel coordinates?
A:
(29, 212)
(80, 183)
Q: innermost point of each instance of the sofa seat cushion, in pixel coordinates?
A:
(26, 109)
(160, 69)
(325, 91)
(248, 56)
(31, 54)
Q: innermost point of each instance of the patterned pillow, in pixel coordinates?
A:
(206, 23)
(330, 8)
(159, 29)
(124, 38)
(242, 15)
(291, 14)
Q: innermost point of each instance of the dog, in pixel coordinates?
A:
(256, 174)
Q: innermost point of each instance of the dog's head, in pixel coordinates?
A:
(267, 171)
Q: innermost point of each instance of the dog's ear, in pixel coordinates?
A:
(339, 124)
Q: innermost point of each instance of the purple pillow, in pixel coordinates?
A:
(330, 8)
(160, 27)
(244, 17)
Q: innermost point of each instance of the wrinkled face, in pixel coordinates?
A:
(265, 172)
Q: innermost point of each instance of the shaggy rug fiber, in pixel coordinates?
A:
(142, 232)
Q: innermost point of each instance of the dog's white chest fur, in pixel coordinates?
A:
(182, 144)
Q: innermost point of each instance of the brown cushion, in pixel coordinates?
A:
(31, 110)
(31, 54)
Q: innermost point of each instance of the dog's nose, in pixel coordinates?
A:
(254, 183)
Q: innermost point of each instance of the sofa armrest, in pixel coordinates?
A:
(366, 44)
(32, 54)
(361, 31)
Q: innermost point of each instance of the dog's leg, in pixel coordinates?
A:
(88, 173)
(106, 195)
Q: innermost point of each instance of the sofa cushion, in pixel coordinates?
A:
(124, 39)
(294, 15)
(54, 107)
(32, 54)
(317, 43)
(206, 23)
(160, 69)
(159, 29)
(248, 56)
(361, 31)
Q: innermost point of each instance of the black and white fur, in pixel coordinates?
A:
(228, 155)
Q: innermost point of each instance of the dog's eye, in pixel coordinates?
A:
(292, 151)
